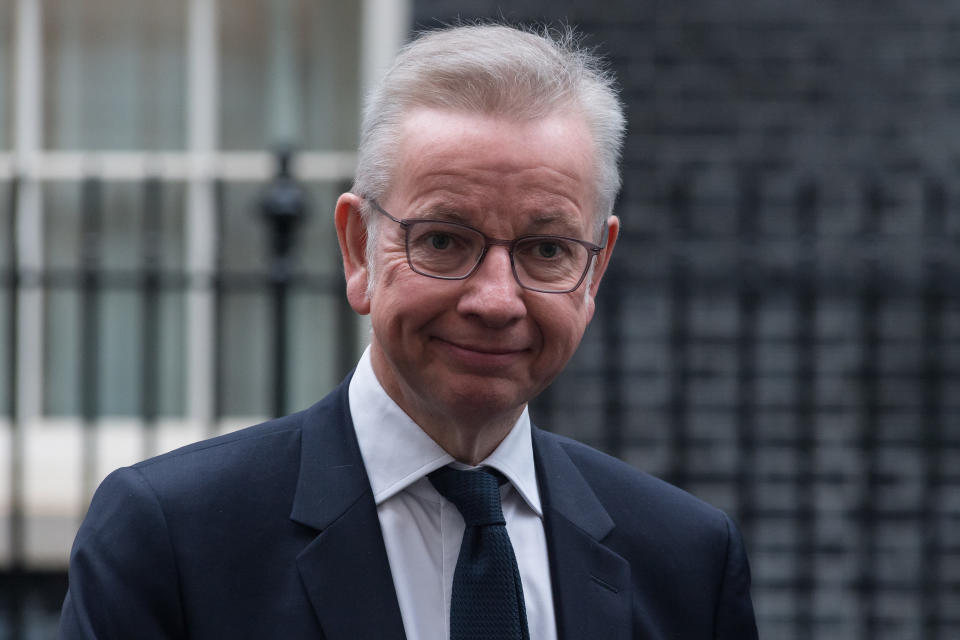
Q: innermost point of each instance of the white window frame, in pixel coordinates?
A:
(41, 473)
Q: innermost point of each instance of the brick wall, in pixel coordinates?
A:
(780, 333)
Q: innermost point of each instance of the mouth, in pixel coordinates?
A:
(489, 350)
(483, 355)
(497, 349)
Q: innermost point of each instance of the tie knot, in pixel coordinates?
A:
(476, 494)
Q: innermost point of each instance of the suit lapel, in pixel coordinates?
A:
(345, 569)
(591, 583)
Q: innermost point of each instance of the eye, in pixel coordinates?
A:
(439, 241)
(548, 249)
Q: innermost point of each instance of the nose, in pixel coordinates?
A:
(492, 295)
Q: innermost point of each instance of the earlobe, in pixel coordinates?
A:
(352, 236)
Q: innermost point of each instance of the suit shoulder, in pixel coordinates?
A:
(246, 462)
(258, 436)
(233, 464)
(221, 445)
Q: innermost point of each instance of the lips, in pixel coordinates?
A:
(498, 349)
(482, 358)
(493, 350)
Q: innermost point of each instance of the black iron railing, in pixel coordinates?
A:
(806, 381)
(803, 380)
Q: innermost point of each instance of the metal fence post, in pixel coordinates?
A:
(805, 403)
(150, 308)
(747, 317)
(933, 439)
(869, 381)
(90, 301)
(680, 281)
(284, 208)
(16, 530)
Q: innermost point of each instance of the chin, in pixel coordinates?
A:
(489, 401)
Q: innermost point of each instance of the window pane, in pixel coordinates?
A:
(244, 243)
(245, 359)
(290, 72)
(115, 74)
(246, 321)
(6, 74)
(319, 252)
(136, 223)
(314, 340)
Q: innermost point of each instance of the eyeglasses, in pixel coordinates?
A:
(454, 251)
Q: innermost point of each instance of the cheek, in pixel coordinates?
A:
(404, 301)
(562, 326)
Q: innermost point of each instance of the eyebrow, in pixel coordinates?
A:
(559, 224)
(445, 213)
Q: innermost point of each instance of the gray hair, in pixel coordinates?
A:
(493, 69)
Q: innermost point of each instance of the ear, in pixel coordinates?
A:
(603, 258)
(352, 236)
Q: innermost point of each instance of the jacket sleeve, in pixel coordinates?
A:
(123, 575)
(734, 618)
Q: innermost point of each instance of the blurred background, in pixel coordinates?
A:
(779, 333)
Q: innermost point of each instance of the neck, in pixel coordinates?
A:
(468, 438)
(467, 434)
(469, 444)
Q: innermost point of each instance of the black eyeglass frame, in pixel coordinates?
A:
(488, 242)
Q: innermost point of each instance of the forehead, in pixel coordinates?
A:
(487, 162)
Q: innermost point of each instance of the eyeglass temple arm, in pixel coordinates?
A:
(382, 211)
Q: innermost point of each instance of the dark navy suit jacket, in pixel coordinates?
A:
(272, 532)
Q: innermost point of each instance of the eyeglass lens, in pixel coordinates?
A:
(452, 251)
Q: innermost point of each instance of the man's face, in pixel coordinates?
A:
(476, 350)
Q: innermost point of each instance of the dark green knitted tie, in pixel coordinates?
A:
(487, 599)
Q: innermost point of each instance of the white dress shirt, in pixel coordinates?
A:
(422, 530)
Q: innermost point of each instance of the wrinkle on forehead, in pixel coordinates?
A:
(474, 155)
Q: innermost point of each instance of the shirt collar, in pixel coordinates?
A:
(397, 452)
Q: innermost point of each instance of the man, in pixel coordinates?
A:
(475, 237)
